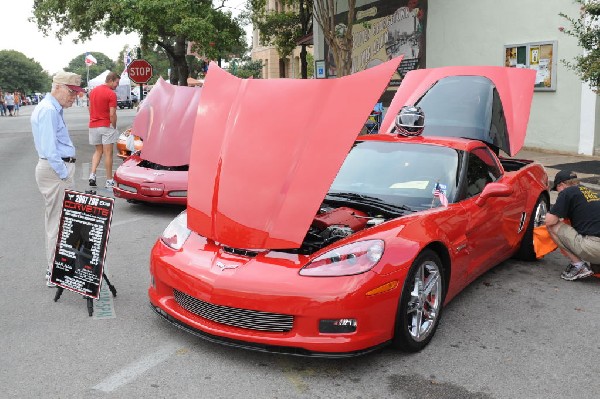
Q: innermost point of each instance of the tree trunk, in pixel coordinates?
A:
(282, 68)
(180, 62)
(303, 63)
(340, 39)
(177, 61)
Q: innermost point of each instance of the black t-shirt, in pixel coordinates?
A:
(580, 205)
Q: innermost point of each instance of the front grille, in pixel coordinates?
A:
(239, 251)
(151, 165)
(243, 318)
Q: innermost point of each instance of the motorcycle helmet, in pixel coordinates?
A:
(410, 121)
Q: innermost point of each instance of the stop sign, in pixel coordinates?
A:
(139, 71)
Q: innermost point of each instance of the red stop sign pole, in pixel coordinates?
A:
(140, 72)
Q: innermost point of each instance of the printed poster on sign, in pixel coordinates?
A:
(383, 30)
(82, 240)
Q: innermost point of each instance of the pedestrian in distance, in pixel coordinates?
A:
(103, 126)
(579, 241)
(56, 164)
(17, 97)
(2, 105)
(9, 99)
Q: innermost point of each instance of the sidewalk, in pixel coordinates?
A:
(586, 167)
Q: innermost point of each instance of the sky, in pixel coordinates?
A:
(53, 55)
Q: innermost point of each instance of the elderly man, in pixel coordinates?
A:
(56, 165)
(579, 241)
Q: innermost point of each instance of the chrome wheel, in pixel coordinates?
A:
(420, 307)
(539, 216)
(526, 250)
(425, 301)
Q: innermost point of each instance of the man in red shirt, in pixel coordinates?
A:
(103, 126)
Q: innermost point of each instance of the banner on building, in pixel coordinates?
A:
(383, 30)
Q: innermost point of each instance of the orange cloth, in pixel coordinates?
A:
(542, 242)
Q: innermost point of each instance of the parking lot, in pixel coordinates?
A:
(519, 331)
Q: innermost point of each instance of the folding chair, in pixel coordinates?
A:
(373, 123)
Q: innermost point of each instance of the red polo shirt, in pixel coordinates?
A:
(102, 98)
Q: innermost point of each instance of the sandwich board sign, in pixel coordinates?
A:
(81, 245)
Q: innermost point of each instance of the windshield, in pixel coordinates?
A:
(398, 173)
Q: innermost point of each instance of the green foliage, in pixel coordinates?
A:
(282, 28)
(77, 65)
(170, 25)
(586, 29)
(18, 72)
(246, 68)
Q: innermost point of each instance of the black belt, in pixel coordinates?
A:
(67, 159)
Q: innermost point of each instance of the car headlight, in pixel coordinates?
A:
(176, 232)
(347, 260)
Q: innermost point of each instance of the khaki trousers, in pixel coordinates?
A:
(586, 248)
(53, 190)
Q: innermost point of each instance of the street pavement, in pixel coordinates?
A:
(518, 331)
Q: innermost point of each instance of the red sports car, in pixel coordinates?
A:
(158, 173)
(299, 238)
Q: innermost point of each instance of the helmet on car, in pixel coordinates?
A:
(410, 121)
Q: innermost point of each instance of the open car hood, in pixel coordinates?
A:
(165, 121)
(501, 113)
(265, 152)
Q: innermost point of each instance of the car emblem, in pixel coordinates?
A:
(223, 266)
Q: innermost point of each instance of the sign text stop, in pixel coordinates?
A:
(139, 71)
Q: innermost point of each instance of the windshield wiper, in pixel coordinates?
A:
(367, 199)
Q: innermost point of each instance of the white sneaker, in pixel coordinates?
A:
(92, 180)
(110, 184)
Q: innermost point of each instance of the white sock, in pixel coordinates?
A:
(579, 264)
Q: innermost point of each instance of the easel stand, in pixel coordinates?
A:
(90, 301)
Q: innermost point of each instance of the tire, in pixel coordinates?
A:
(420, 307)
(526, 251)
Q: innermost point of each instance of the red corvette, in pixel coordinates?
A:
(299, 238)
(158, 172)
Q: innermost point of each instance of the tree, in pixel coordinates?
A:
(283, 29)
(246, 68)
(20, 73)
(171, 25)
(586, 29)
(338, 37)
(77, 65)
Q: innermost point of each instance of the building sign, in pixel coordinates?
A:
(81, 245)
(384, 30)
(539, 56)
(320, 69)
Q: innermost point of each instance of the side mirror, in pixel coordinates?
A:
(492, 190)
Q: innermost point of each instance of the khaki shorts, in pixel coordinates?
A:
(103, 135)
(584, 247)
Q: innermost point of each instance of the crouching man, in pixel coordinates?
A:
(579, 241)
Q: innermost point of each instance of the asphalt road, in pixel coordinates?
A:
(517, 332)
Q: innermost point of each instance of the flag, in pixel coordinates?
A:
(126, 58)
(438, 192)
(90, 59)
